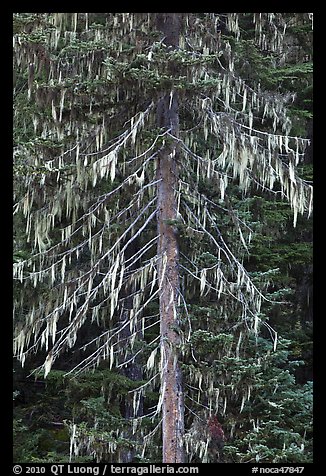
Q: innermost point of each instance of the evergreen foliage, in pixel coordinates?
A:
(87, 142)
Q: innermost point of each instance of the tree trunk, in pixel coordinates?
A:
(168, 272)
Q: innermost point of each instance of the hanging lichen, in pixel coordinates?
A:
(86, 151)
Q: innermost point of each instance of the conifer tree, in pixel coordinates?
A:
(123, 120)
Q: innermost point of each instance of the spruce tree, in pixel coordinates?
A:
(122, 120)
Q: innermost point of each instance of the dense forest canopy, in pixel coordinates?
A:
(162, 252)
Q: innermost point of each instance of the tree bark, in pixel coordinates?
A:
(168, 270)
